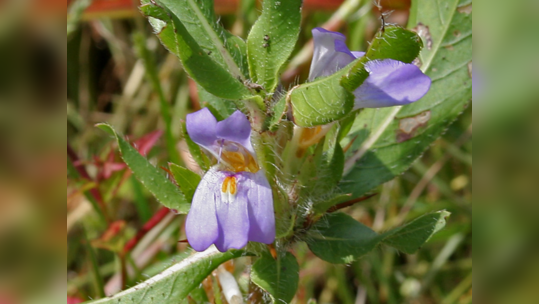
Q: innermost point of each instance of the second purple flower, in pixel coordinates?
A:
(390, 82)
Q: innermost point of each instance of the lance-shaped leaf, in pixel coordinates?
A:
(272, 40)
(161, 187)
(330, 98)
(279, 277)
(174, 283)
(186, 179)
(338, 238)
(387, 141)
(410, 237)
(188, 30)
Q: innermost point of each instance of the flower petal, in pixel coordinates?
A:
(233, 218)
(391, 83)
(236, 128)
(201, 127)
(201, 225)
(330, 53)
(261, 216)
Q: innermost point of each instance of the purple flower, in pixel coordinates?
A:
(233, 203)
(390, 82)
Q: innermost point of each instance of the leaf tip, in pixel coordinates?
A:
(106, 127)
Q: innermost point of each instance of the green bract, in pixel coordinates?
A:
(271, 41)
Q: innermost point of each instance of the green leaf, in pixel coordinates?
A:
(220, 108)
(392, 42)
(321, 101)
(387, 141)
(176, 282)
(278, 277)
(410, 237)
(338, 238)
(186, 179)
(188, 30)
(161, 187)
(272, 40)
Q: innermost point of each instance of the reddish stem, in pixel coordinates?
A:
(156, 219)
(81, 169)
(350, 203)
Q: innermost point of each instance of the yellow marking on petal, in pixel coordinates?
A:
(229, 189)
(229, 185)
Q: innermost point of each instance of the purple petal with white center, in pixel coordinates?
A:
(201, 127)
(330, 53)
(261, 216)
(233, 217)
(201, 226)
(391, 83)
(236, 128)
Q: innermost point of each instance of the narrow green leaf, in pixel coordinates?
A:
(387, 141)
(338, 238)
(392, 42)
(272, 40)
(410, 237)
(161, 187)
(198, 17)
(208, 62)
(186, 179)
(279, 277)
(175, 283)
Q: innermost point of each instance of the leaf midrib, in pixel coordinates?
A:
(445, 28)
(231, 64)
